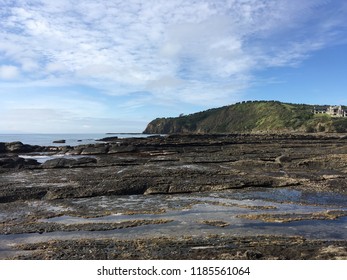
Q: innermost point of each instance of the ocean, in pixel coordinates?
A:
(71, 139)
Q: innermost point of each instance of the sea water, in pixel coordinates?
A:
(70, 139)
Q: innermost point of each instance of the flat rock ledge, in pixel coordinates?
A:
(174, 164)
(188, 248)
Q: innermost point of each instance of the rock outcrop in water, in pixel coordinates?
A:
(62, 141)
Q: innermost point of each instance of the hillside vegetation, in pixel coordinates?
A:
(251, 116)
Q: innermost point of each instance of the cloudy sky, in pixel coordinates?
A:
(112, 66)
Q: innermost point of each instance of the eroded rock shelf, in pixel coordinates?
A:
(222, 192)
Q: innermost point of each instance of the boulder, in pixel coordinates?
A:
(19, 147)
(12, 162)
(59, 163)
(68, 162)
(116, 148)
(65, 149)
(95, 149)
(14, 146)
(17, 162)
(85, 160)
(75, 151)
(2, 148)
(31, 162)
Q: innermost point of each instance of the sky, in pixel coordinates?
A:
(84, 66)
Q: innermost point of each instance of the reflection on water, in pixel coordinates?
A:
(189, 213)
(42, 158)
(291, 195)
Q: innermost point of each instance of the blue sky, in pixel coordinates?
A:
(113, 66)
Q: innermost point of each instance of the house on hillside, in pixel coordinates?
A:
(334, 111)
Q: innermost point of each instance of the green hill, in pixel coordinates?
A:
(252, 116)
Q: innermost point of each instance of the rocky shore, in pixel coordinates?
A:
(40, 184)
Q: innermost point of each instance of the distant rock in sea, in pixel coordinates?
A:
(108, 139)
(59, 141)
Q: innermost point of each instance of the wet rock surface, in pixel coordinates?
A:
(253, 182)
(187, 248)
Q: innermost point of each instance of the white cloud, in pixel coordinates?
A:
(29, 65)
(164, 83)
(8, 72)
(172, 48)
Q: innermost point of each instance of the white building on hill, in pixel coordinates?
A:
(334, 111)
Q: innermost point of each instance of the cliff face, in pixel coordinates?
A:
(168, 126)
(257, 116)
